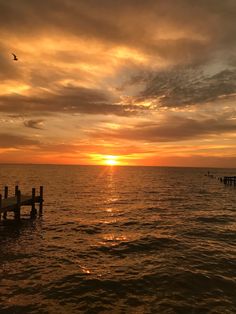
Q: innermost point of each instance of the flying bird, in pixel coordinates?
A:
(15, 57)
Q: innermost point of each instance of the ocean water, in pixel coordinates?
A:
(120, 240)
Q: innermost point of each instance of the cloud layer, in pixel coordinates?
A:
(173, 129)
(182, 86)
(122, 72)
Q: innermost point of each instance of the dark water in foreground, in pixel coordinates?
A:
(121, 240)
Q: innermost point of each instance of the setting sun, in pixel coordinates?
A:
(111, 160)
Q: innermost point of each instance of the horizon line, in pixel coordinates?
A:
(110, 166)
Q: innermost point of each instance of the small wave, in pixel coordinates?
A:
(225, 236)
(216, 219)
(141, 245)
(89, 229)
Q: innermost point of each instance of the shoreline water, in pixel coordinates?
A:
(120, 240)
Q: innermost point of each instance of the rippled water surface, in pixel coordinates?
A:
(120, 240)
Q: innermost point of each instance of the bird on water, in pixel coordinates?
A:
(15, 57)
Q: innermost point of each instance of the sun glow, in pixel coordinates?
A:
(111, 160)
(108, 160)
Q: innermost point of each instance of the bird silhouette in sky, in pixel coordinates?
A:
(15, 57)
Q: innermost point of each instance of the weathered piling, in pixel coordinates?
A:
(41, 200)
(33, 209)
(16, 189)
(6, 192)
(5, 197)
(18, 205)
(0, 206)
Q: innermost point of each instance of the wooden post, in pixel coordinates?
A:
(16, 190)
(0, 206)
(41, 200)
(33, 209)
(6, 192)
(5, 196)
(17, 209)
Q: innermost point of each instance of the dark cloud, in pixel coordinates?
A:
(15, 141)
(34, 124)
(67, 100)
(204, 27)
(183, 86)
(185, 33)
(172, 130)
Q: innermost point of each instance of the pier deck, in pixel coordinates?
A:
(10, 203)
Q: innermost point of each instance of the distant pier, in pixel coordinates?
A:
(229, 180)
(15, 202)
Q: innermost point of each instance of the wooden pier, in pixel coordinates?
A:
(229, 180)
(15, 202)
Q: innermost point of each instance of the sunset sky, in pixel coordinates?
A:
(126, 82)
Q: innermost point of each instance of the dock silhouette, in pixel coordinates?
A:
(229, 180)
(15, 202)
